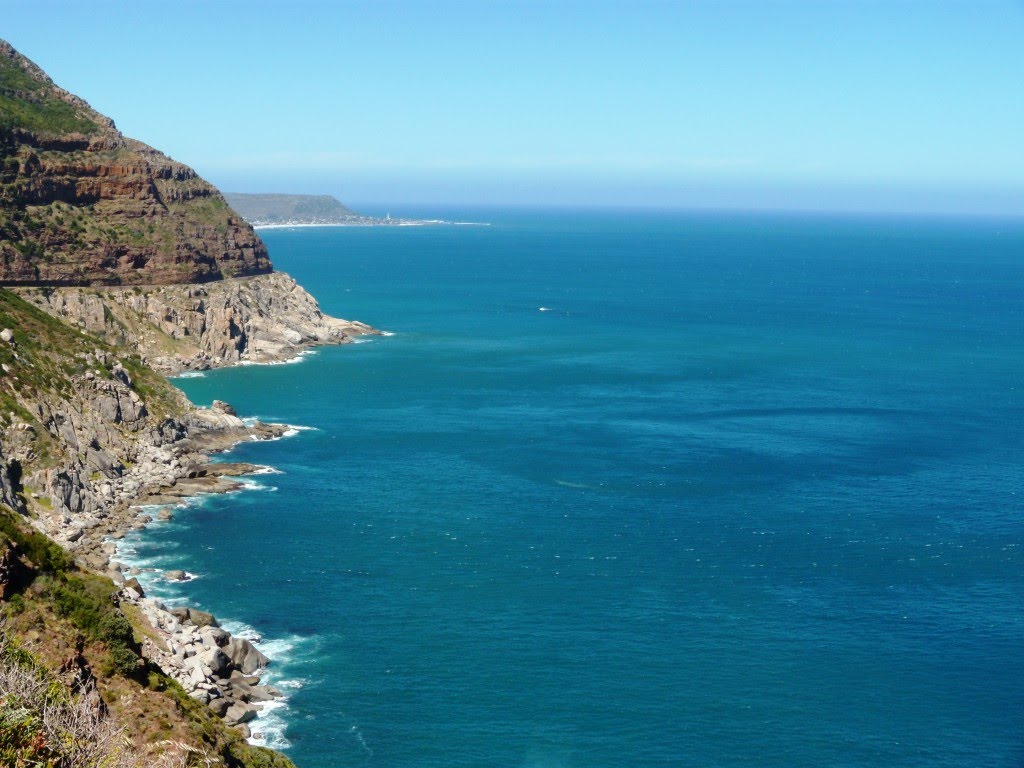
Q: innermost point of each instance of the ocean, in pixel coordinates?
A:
(635, 488)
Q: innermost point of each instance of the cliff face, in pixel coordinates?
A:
(268, 318)
(80, 204)
(81, 421)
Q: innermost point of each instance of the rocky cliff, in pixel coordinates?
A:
(261, 319)
(80, 204)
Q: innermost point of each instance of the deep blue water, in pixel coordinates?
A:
(749, 493)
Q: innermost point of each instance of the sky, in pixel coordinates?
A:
(889, 105)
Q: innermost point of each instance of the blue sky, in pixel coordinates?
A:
(889, 105)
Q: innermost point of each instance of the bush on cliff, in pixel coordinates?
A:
(42, 723)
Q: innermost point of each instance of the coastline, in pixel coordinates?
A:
(249, 694)
(225, 670)
(188, 644)
(375, 223)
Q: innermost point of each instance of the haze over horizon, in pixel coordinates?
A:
(909, 106)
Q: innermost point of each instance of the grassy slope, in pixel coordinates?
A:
(48, 352)
(27, 103)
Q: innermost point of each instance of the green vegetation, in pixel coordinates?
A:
(44, 724)
(83, 598)
(27, 102)
(273, 208)
(49, 352)
(78, 608)
(45, 554)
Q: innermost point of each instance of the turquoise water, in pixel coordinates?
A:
(747, 493)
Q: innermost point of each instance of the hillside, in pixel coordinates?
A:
(80, 204)
(264, 209)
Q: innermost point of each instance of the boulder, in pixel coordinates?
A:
(239, 713)
(221, 407)
(194, 616)
(202, 618)
(216, 660)
(260, 693)
(219, 706)
(214, 636)
(133, 584)
(244, 656)
(201, 696)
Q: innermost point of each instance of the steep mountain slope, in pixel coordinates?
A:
(80, 204)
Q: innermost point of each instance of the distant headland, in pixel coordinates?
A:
(280, 210)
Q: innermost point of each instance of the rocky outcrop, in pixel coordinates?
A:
(213, 666)
(80, 204)
(7, 490)
(266, 318)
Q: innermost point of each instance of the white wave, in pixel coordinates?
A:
(354, 730)
(299, 357)
(189, 375)
(387, 333)
(545, 309)
(241, 629)
(250, 485)
(568, 484)
(266, 469)
(269, 726)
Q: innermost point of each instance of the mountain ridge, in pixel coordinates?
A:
(81, 204)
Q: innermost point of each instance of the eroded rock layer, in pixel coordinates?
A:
(261, 319)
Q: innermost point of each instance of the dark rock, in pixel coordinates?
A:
(216, 660)
(133, 583)
(245, 656)
(202, 618)
(220, 706)
(239, 713)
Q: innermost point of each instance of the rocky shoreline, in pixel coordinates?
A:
(101, 435)
(189, 645)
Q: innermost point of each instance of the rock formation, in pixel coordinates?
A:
(259, 319)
